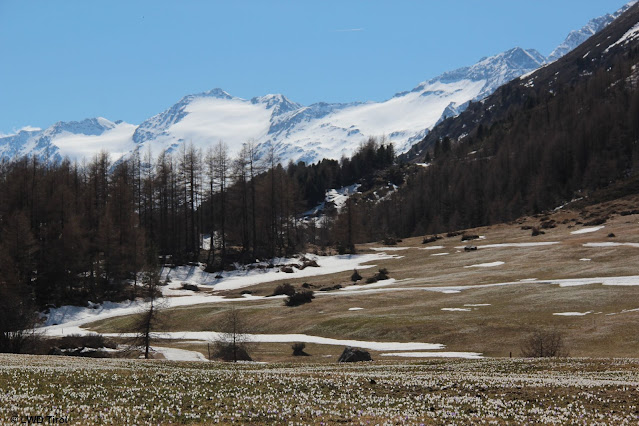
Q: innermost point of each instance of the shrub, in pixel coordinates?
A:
(596, 222)
(299, 298)
(371, 280)
(390, 241)
(191, 287)
(382, 274)
(536, 231)
(468, 237)
(227, 351)
(310, 263)
(94, 341)
(542, 344)
(356, 276)
(285, 289)
(298, 349)
(430, 239)
(330, 288)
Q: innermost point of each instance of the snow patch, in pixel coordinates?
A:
(486, 265)
(173, 354)
(573, 314)
(465, 355)
(587, 230)
(608, 244)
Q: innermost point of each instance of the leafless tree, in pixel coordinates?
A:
(544, 343)
(232, 343)
(149, 319)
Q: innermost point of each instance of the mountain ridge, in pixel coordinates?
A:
(293, 131)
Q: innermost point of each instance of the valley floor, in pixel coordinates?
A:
(440, 300)
(440, 330)
(496, 391)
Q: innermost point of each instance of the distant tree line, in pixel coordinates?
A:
(72, 232)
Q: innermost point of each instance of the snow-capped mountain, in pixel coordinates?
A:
(575, 38)
(75, 139)
(295, 132)
(310, 133)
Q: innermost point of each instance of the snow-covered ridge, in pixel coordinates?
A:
(575, 38)
(293, 131)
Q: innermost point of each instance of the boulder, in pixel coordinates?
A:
(351, 354)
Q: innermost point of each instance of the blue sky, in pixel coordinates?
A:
(128, 60)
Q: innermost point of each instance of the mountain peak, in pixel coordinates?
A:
(577, 37)
(280, 103)
(216, 93)
(88, 126)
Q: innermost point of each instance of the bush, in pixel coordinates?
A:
(468, 237)
(227, 351)
(430, 239)
(94, 341)
(191, 287)
(536, 231)
(299, 298)
(542, 344)
(356, 276)
(298, 349)
(382, 274)
(285, 289)
(331, 288)
(390, 241)
(596, 222)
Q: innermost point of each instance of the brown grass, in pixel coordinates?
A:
(495, 330)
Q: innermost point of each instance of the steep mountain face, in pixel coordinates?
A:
(561, 75)
(569, 130)
(292, 131)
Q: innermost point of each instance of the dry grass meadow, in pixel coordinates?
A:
(409, 310)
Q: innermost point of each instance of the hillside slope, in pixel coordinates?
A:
(561, 132)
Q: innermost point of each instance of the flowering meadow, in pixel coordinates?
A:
(488, 391)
